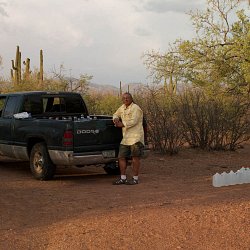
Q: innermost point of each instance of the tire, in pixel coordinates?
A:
(40, 164)
(112, 168)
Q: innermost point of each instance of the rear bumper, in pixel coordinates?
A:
(89, 158)
(70, 158)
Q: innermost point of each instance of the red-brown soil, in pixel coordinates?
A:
(175, 206)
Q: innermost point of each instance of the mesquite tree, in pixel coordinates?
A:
(218, 55)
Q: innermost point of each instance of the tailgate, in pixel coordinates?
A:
(96, 135)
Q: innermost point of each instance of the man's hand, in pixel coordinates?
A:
(116, 120)
(118, 123)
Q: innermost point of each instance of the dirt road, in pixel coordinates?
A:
(175, 206)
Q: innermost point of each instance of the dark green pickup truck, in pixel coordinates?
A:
(54, 128)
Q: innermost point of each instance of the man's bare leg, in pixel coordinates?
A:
(136, 165)
(122, 165)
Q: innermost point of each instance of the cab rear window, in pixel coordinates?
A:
(36, 105)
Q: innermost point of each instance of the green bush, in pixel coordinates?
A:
(213, 121)
(102, 104)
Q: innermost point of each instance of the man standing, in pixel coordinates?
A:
(129, 117)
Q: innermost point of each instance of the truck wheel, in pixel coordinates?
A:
(112, 168)
(40, 164)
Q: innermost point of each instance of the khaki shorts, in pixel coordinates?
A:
(135, 150)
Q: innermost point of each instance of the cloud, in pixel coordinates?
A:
(2, 10)
(142, 32)
(35, 22)
(163, 6)
(104, 38)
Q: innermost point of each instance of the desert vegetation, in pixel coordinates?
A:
(199, 91)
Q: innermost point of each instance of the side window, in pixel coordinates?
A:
(10, 106)
(32, 105)
(2, 101)
(70, 104)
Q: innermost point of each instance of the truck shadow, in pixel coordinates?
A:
(14, 169)
(17, 169)
(84, 178)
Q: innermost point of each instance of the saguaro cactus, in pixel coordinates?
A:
(41, 67)
(120, 88)
(171, 87)
(16, 71)
(12, 75)
(27, 69)
(16, 67)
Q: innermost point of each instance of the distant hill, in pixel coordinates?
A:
(106, 88)
(103, 88)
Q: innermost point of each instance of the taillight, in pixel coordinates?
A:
(68, 138)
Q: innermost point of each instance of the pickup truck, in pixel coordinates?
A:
(54, 128)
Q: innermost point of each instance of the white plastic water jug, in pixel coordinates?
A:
(216, 180)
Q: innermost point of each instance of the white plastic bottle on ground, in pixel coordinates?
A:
(217, 180)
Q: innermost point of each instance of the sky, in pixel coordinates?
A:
(102, 38)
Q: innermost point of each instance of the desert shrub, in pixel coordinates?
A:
(201, 118)
(102, 104)
(217, 121)
(164, 131)
(32, 84)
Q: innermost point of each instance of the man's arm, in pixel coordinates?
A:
(117, 117)
(135, 119)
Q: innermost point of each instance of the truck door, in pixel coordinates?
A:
(6, 123)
